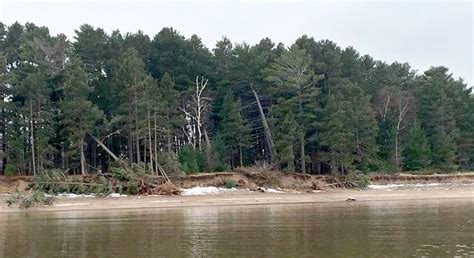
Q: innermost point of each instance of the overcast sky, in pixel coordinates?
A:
(422, 33)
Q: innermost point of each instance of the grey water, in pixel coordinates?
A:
(435, 228)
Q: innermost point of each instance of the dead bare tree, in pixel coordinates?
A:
(405, 103)
(398, 105)
(195, 116)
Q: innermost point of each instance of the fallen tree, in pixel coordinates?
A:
(131, 181)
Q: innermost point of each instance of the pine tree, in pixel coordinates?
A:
(234, 131)
(286, 137)
(80, 115)
(169, 115)
(437, 116)
(416, 151)
(294, 86)
(132, 77)
(350, 128)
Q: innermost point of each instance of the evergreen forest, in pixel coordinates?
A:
(168, 102)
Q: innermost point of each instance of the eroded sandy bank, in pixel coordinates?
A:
(242, 197)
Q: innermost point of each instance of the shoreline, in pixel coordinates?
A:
(242, 197)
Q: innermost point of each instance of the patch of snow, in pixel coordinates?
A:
(390, 187)
(116, 195)
(271, 190)
(198, 190)
(72, 195)
(384, 187)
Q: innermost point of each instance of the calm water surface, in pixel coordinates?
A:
(371, 229)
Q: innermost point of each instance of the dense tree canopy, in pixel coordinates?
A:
(311, 107)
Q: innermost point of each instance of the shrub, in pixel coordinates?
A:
(27, 200)
(10, 170)
(358, 180)
(191, 160)
(230, 184)
(170, 164)
(120, 173)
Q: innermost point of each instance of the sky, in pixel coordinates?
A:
(423, 33)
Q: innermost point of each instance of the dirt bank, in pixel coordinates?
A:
(254, 180)
(303, 182)
(243, 197)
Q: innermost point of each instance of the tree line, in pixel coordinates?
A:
(168, 101)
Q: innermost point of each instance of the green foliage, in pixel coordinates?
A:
(417, 152)
(350, 129)
(169, 162)
(218, 156)
(120, 173)
(50, 181)
(230, 184)
(358, 180)
(55, 182)
(235, 131)
(295, 85)
(10, 170)
(328, 109)
(438, 117)
(286, 136)
(191, 160)
(80, 114)
(27, 200)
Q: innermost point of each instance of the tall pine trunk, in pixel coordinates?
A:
(168, 132)
(32, 133)
(397, 155)
(268, 134)
(303, 161)
(156, 141)
(240, 156)
(302, 154)
(130, 137)
(291, 161)
(137, 135)
(149, 141)
(83, 158)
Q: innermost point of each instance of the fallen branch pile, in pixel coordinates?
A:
(120, 179)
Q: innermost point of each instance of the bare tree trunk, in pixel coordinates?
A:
(397, 157)
(199, 134)
(32, 133)
(137, 129)
(199, 106)
(168, 133)
(302, 136)
(63, 158)
(149, 140)
(208, 149)
(240, 156)
(101, 144)
(291, 161)
(156, 141)
(402, 111)
(268, 134)
(39, 164)
(232, 166)
(130, 138)
(83, 158)
(94, 154)
(303, 161)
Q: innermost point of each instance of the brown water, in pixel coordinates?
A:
(371, 229)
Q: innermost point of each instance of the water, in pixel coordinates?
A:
(371, 229)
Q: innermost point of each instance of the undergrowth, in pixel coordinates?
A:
(27, 200)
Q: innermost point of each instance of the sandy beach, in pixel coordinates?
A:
(242, 197)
